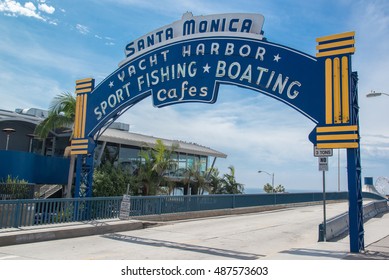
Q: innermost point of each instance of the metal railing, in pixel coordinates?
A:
(32, 212)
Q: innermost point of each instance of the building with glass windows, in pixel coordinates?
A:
(43, 161)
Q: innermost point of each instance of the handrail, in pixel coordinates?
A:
(32, 212)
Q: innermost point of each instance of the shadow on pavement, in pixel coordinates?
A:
(368, 255)
(315, 253)
(181, 246)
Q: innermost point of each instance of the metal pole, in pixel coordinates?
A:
(324, 208)
(338, 170)
(6, 145)
(30, 147)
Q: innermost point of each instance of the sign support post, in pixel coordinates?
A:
(324, 208)
(323, 166)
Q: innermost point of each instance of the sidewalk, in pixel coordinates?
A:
(62, 231)
(376, 245)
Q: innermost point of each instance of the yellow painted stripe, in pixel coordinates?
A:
(76, 135)
(335, 44)
(328, 90)
(336, 52)
(345, 91)
(342, 128)
(336, 75)
(86, 85)
(83, 122)
(80, 152)
(79, 141)
(337, 145)
(337, 137)
(79, 117)
(87, 90)
(82, 81)
(79, 147)
(336, 36)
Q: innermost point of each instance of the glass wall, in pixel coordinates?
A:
(129, 158)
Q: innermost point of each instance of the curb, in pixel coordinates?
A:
(29, 235)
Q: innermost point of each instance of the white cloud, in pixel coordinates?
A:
(30, 6)
(15, 8)
(46, 8)
(82, 29)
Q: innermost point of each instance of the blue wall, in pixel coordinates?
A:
(34, 168)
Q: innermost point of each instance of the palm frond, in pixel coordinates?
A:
(61, 114)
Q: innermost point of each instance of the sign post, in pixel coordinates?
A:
(125, 207)
(323, 166)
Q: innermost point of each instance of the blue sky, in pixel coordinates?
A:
(47, 45)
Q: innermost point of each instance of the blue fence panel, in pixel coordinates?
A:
(34, 168)
(30, 212)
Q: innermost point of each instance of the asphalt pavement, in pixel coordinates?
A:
(283, 234)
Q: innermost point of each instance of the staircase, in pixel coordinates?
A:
(46, 191)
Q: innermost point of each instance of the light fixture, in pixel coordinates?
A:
(8, 131)
(375, 94)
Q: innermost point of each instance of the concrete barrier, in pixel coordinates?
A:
(36, 234)
(339, 225)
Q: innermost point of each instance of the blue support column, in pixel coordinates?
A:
(83, 145)
(78, 176)
(84, 178)
(356, 230)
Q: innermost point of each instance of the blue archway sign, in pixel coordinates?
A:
(189, 59)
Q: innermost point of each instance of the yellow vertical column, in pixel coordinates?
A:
(337, 132)
(345, 91)
(337, 93)
(79, 142)
(336, 48)
(328, 91)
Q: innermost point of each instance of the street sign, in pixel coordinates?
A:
(322, 152)
(323, 163)
(125, 207)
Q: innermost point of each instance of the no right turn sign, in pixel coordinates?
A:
(323, 163)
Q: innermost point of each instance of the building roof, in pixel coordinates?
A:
(119, 135)
(139, 140)
(10, 115)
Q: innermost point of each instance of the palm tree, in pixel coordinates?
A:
(215, 182)
(229, 183)
(195, 179)
(156, 162)
(146, 174)
(62, 113)
(163, 160)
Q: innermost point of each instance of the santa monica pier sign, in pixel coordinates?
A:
(189, 59)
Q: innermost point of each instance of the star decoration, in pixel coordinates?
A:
(277, 57)
(111, 84)
(206, 68)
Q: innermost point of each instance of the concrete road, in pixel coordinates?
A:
(239, 237)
